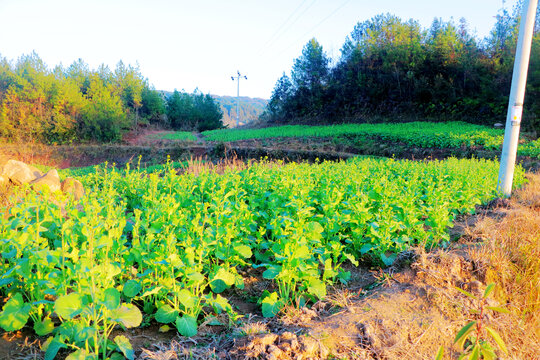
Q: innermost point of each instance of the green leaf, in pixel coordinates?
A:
(317, 287)
(128, 315)
(44, 327)
(498, 309)
(131, 288)
(52, 347)
(196, 277)
(271, 305)
(186, 325)
(315, 228)
(111, 298)
(351, 258)
(463, 333)
(475, 353)
(68, 306)
(15, 313)
(488, 290)
(151, 292)
(488, 354)
(77, 355)
(219, 304)
(186, 298)
(271, 272)
(388, 260)
(164, 328)
(166, 314)
(116, 356)
(244, 251)
(466, 293)
(495, 335)
(440, 353)
(125, 346)
(222, 280)
(365, 248)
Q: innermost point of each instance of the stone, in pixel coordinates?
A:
(50, 180)
(74, 187)
(19, 173)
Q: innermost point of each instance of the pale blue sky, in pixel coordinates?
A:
(187, 44)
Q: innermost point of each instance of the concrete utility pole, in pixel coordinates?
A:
(517, 93)
(237, 77)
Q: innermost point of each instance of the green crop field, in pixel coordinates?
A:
(168, 247)
(176, 135)
(419, 134)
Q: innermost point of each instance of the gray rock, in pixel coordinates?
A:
(50, 180)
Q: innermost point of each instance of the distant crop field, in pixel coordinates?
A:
(170, 245)
(419, 134)
(176, 135)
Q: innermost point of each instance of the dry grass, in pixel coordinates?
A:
(197, 165)
(510, 258)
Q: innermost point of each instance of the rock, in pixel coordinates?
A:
(74, 187)
(498, 125)
(19, 173)
(50, 180)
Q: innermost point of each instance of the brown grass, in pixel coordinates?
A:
(510, 258)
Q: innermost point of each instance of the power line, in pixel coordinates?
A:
(282, 25)
(270, 43)
(316, 26)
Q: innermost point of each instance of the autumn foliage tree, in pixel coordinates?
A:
(63, 105)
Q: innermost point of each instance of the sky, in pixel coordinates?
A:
(188, 44)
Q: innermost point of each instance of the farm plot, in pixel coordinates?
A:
(446, 135)
(171, 246)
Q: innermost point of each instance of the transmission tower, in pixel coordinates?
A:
(237, 78)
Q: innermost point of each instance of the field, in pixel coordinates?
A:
(162, 247)
(234, 252)
(448, 135)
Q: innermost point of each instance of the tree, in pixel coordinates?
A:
(153, 107)
(193, 112)
(103, 117)
(280, 96)
(309, 77)
(311, 69)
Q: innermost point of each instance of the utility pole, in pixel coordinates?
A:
(517, 94)
(237, 77)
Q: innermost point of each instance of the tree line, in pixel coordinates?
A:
(397, 69)
(76, 103)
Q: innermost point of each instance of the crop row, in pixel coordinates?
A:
(420, 134)
(170, 246)
(176, 135)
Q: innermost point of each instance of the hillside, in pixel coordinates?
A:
(250, 108)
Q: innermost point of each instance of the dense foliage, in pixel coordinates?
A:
(193, 111)
(393, 67)
(420, 134)
(71, 104)
(168, 246)
(75, 103)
